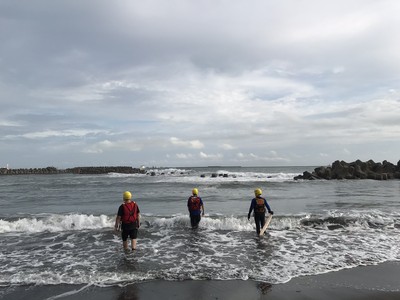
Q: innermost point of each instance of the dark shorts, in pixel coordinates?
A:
(129, 230)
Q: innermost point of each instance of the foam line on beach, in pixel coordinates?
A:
(69, 293)
(379, 282)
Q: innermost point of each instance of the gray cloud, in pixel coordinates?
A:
(181, 83)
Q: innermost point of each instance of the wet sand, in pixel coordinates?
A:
(381, 282)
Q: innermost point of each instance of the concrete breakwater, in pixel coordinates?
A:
(75, 170)
(354, 170)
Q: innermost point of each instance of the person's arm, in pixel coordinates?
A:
(268, 208)
(138, 216)
(117, 226)
(202, 205)
(117, 223)
(251, 208)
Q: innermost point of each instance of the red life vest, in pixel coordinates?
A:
(130, 212)
(194, 203)
(260, 205)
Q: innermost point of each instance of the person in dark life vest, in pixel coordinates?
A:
(195, 207)
(128, 220)
(258, 204)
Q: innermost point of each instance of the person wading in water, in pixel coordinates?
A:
(128, 220)
(195, 207)
(258, 204)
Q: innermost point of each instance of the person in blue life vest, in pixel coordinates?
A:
(128, 220)
(195, 207)
(258, 204)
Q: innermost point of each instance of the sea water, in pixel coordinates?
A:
(58, 229)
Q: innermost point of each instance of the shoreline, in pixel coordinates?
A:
(379, 282)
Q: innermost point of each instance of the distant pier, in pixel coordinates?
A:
(75, 170)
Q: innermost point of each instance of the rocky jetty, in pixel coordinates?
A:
(33, 171)
(105, 170)
(354, 170)
(76, 170)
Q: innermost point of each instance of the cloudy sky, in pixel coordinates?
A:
(198, 83)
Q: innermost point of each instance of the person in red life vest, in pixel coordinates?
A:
(195, 207)
(128, 220)
(258, 204)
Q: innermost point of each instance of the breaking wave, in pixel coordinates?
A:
(330, 220)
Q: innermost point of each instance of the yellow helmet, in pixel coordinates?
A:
(195, 191)
(257, 192)
(127, 195)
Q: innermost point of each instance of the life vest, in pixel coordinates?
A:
(194, 203)
(260, 205)
(130, 212)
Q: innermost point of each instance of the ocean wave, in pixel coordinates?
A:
(209, 222)
(187, 175)
(56, 223)
(327, 220)
(361, 219)
(331, 220)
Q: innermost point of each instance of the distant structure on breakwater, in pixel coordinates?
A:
(76, 170)
(354, 170)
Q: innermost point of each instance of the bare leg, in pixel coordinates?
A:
(125, 244)
(133, 243)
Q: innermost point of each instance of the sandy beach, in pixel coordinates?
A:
(369, 282)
